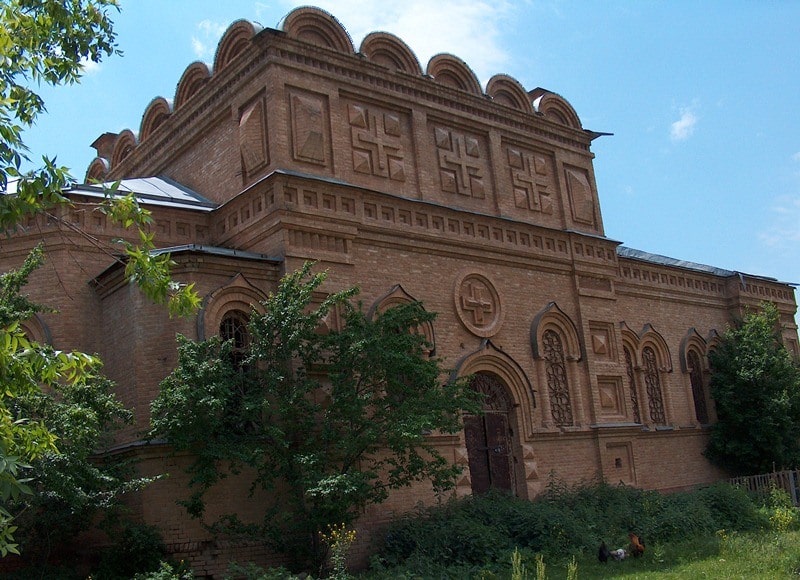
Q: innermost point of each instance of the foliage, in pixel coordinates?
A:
(481, 531)
(167, 571)
(338, 539)
(48, 42)
(755, 385)
(26, 368)
(327, 422)
(138, 550)
(41, 42)
(71, 487)
(252, 572)
(145, 266)
(56, 411)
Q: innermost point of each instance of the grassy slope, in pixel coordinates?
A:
(764, 555)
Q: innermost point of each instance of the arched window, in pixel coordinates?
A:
(234, 328)
(698, 388)
(637, 418)
(558, 388)
(652, 383)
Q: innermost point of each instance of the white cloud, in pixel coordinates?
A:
(468, 29)
(204, 44)
(796, 156)
(683, 128)
(89, 66)
(785, 229)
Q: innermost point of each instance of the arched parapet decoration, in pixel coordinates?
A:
(318, 27)
(239, 294)
(712, 340)
(507, 91)
(396, 296)
(391, 52)
(125, 144)
(451, 71)
(692, 340)
(154, 116)
(97, 171)
(37, 330)
(649, 336)
(551, 317)
(554, 107)
(629, 338)
(192, 80)
(488, 358)
(237, 39)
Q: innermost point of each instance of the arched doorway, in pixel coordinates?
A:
(489, 437)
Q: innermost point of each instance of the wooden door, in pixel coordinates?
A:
(489, 452)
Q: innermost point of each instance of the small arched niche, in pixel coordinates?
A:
(453, 72)
(318, 27)
(389, 51)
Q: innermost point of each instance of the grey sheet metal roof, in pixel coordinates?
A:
(199, 249)
(216, 251)
(625, 252)
(159, 191)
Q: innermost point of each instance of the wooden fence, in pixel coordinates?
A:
(762, 484)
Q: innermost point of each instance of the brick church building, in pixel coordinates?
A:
(414, 184)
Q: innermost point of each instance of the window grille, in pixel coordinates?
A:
(653, 386)
(558, 388)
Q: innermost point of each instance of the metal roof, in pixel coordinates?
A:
(215, 250)
(625, 252)
(159, 191)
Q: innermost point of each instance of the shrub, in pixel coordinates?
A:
(139, 549)
(731, 507)
(455, 533)
(480, 533)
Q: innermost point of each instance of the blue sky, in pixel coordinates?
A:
(703, 99)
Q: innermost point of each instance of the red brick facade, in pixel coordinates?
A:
(410, 184)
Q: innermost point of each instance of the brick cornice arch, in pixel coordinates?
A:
(694, 341)
(397, 295)
(388, 50)
(490, 358)
(125, 144)
(316, 26)
(553, 318)
(649, 336)
(507, 91)
(238, 294)
(154, 116)
(194, 78)
(36, 329)
(236, 39)
(554, 107)
(451, 71)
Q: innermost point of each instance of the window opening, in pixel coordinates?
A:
(637, 418)
(698, 389)
(653, 385)
(558, 388)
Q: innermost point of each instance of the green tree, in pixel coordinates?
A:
(326, 422)
(755, 385)
(47, 42)
(57, 411)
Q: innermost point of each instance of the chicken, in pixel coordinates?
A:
(618, 554)
(637, 545)
(603, 553)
